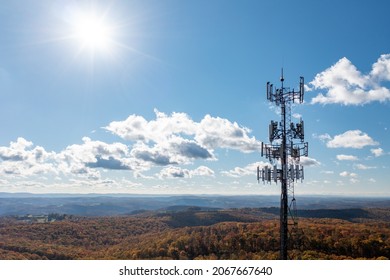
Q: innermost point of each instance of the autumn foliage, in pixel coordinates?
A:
(194, 234)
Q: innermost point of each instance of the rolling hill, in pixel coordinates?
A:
(196, 233)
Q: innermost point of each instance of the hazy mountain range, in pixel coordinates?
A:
(119, 204)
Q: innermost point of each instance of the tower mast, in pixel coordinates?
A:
(284, 152)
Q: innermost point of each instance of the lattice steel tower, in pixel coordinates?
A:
(284, 151)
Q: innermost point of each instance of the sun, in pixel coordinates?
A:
(93, 32)
(95, 35)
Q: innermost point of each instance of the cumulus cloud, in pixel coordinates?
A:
(178, 172)
(166, 142)
(82, 158)
(189, 149)
(348, 174)
(344, 84)
(323, 137)
(237, 172)
(221, 133)
(297, 116)
(353, 177)
(159, 130)
(174, 172)
(108, 163)
(351, 139)
(377, 152)
(190, 138)
(363, 167)
(175, 151)
(22, 158)
(307, 161)
(354, 180)
(20, 150)
(381, 68)
(156, 155)
(347, 157)
(249, 170)
(203, 171)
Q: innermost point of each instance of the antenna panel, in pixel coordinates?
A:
(300, 130)
(268, 91)
(292, 173)
(301, 89)
(275, 174)
(266, 173)
(297, 172)
(306, 149)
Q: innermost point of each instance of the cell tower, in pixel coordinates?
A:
(284, 151)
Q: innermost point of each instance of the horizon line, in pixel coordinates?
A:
(192, 194)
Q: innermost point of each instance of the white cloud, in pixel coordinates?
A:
(136, 128)
(22, 150)
(297, 116)
(249, 170)
(237, 172)
(164, 141)
(22, 158)
(177, 139)
(348, 174)
(354, 180)
(173, 172)
(208, 134)
(381, 68)
(83, 159)
(149, 156)
(178, 172)
(346, 157)
(175, 151)
(221, 133)
(344, 174)
(351, 139)
(323, 137)
(377, 152)
(343, 83)
(203, 171)
(307, 161)
(363, 167)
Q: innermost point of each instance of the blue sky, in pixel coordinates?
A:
(169, 96)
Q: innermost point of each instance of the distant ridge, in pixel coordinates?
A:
(117, 204)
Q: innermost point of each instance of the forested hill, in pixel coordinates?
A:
(195, 233)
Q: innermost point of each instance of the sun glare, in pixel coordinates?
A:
(93, 33)
(96, 34)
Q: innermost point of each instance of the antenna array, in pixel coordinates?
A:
(284, 151)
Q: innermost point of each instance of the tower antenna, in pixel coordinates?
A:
(282, 77)
(284, 151)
